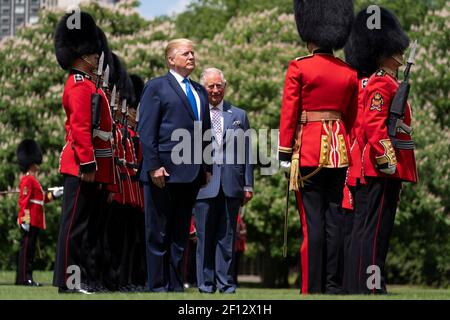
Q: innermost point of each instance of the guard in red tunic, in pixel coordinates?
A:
(86, 160)
(387, 161)
(362, 59)
(318, 109)
(31, 218)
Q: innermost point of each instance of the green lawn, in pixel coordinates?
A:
(47, 292)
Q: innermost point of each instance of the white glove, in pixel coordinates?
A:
(389, 170)
(58, 192)
(285, 166)
(25, 227)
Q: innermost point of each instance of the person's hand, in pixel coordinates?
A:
(88, 177)
(208, 179)
(285, 166)
(158, 177)
(57, 192)
(390, 169)
(248, 195)
(110, 197)
(25, 227)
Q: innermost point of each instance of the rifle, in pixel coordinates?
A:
(124, 125)
(53, 190)
(96, 97)
(4, 193)
(398, 105)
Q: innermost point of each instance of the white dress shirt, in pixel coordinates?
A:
(180, 79)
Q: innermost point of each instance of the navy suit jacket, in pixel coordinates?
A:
(165, 108)
(234, 176)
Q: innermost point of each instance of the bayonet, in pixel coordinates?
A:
(124, 107)
(411, 59)
(412, 54)
(96, 98)
(113, 97)
(106, 78)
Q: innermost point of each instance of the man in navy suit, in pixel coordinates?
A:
(168, 103)
(230, 187)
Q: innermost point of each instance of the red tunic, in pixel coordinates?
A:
(355, 169)
(319, 82)
(32, 198)
(82, 153)
(380, 91)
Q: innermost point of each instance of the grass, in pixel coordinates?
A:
(8, 291)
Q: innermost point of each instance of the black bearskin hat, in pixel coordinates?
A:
(116, 70)
(128, 90)
(125, 85)
(327, 23)
(138, 85)
(365, 47)
(28, 153)
(71, 42)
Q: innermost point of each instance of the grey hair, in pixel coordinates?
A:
(212, 70)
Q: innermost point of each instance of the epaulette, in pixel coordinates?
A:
(304, 57)
(380, 73)
(78, 78)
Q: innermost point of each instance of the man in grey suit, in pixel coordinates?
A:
(230, 187)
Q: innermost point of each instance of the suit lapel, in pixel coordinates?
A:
(176, 87)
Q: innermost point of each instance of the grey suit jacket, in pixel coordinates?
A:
(236, 171)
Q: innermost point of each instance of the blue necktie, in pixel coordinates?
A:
(191, 97)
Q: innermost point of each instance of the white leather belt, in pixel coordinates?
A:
(103, 135)
(103, 153)
(39, 202)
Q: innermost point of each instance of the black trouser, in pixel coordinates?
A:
(26, 255)
(377, 206)
(168, 214)
(319, 203)
(190, 263)
(139, 265)
(79, 232)
(352, 262)
(114, 243)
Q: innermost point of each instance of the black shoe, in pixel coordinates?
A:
(31, 283)
(80, 290)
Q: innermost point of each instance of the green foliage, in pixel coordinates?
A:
(253, 48)
(206, 18)
(409, 12)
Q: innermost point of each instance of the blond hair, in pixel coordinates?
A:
(174, 44)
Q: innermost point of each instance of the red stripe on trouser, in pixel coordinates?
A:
(380, 211)
(304, 248)
(68, 232)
